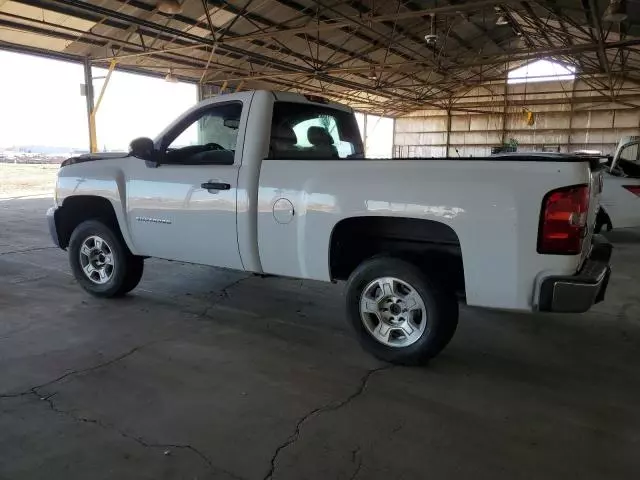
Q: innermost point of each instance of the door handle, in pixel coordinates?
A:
(215, 186)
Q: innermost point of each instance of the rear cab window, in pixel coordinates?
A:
(307, 131)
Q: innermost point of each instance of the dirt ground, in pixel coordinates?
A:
(21, 180)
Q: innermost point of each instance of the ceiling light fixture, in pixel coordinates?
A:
(432, 38)
(171, 78)
(502, 20)
(170, 7)
(502, 17)
(616, 11)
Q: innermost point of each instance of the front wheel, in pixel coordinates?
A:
(101, 262)
(400, 314)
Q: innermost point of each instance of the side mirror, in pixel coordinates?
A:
(143, 148)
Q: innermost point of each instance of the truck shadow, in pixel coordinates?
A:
(623, 235)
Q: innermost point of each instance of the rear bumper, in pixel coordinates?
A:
(53, 229)
(577, 293)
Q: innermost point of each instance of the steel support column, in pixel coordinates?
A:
(505, 108)
(393, 147)
(448, 145)
(88, 82)
(364, 133)
(93, 137)
(200, 94)
(571, 113)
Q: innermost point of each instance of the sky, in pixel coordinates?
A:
(41, 105)
(541, 71)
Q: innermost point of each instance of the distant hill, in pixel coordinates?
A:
(38, 154)
(44, 150)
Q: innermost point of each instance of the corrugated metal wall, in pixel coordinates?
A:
(566, 119)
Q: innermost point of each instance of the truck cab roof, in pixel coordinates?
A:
(281, 97)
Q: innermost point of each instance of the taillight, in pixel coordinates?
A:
(563, 220)
(635, 189)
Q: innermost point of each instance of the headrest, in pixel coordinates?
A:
(318, 136)
(284, 134)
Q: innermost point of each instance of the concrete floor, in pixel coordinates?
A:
(203, 373)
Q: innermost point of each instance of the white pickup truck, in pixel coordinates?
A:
(620, 201)
(277, 183)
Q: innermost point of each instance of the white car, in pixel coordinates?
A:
(276, 183)
(620, 199)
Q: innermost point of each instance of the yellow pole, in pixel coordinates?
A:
(240, 85)
(92, 118)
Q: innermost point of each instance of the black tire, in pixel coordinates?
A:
(134, 273)
(126, 271)
(602, 220)
(440, 304)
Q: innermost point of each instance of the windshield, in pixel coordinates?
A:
(628, 161)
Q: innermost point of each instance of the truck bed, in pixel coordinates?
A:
(594, 161)
(491, 203)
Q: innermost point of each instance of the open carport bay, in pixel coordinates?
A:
(203, 373)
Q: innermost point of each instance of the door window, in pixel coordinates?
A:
(629, 163)
(630, 153)
(207, 138)
(304, 131)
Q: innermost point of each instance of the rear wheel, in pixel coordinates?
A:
(101, 262)
(400, 314)
(602, 220)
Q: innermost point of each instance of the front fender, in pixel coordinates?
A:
(104, 180)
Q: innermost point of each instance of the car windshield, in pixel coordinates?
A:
(629, 162)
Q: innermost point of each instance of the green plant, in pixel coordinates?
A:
(512, 142)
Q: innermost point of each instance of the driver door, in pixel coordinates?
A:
(620, 196)
(185, 208)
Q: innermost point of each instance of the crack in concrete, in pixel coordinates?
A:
(225, 293)
(26, 250)
(291, 439)
(14, 395)
(48, 398)
(222, 295)
(85, 370)
(356, 457)
(139, 440)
